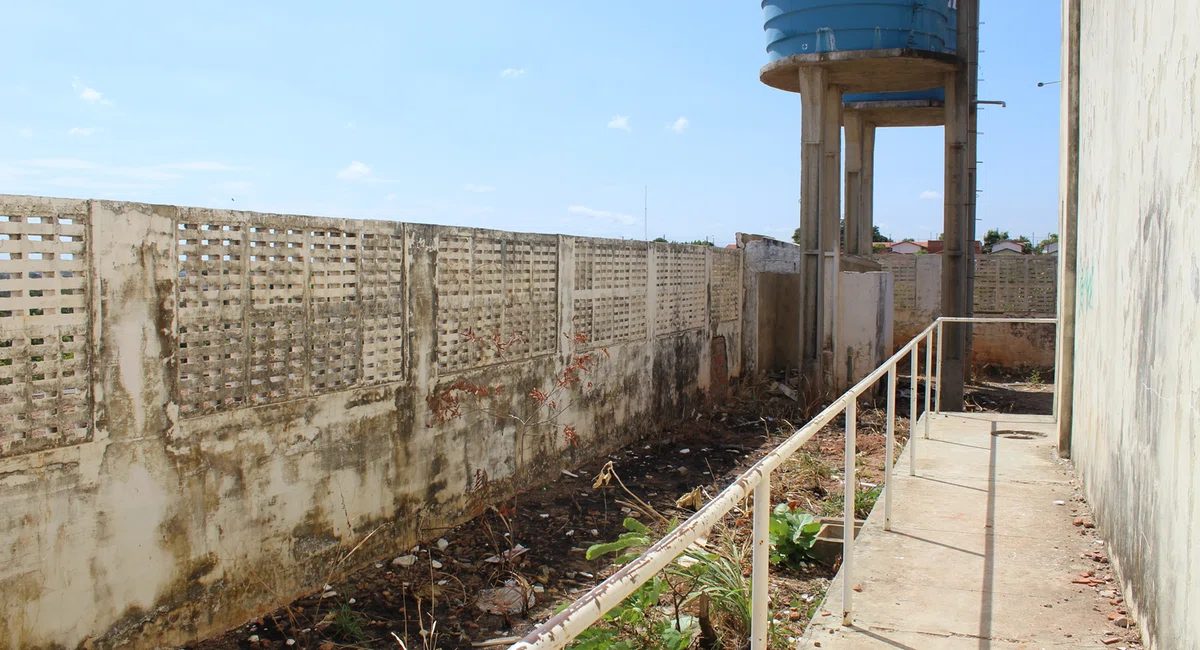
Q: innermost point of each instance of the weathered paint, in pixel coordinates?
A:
(866, 324)
(772, 313)
(1136, 397)
(187, 511)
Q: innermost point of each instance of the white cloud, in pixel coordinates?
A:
(479, 189)
(620, 122)
(390, 197)
(351, 124)
(356, 171)
(930, 195)
(679, 126)
(25, 133)
(513, 73)
(81, 130)
(87, 93)
(604, 215)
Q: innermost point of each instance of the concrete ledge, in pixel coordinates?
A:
(865, 71)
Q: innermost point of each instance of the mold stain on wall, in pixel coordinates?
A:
(257, 403)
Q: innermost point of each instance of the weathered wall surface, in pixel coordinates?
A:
(772, 316)
(201, 411)
(1136, 424)
(771, 286)
(865, 313)
(1017, 285)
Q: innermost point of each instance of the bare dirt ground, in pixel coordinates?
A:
(445, 579)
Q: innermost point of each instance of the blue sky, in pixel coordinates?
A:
(533, 116)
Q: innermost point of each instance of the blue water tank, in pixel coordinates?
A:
(818, 26)
(932, 94)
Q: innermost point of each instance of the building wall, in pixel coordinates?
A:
(1137, 363)
(202, 411)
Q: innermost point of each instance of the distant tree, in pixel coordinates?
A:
(701, 242)
(877, 236)
(662, 240)
(1051, 239)
(1026, 245)
(993, 237)
(908, 239)
(796, 237)
(940, 235)
(879, 247)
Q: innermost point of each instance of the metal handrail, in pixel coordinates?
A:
(587, 610)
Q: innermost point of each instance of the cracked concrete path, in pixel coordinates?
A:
(979, 555)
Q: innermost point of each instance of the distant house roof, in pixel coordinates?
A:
(1008, 245)
(1051, 248)
(932, 246)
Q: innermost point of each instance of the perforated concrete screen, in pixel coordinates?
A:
(904, 277)
(45, 398)
(272, 308)
(501, 289)
(610, 291)
(682, 288)
(726, 284)
(1016, 284)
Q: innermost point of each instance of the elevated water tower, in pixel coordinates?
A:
(863, 63)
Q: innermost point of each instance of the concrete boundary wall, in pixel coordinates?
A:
(1005, 285)
(202, 411)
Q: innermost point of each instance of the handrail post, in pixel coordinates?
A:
(914, 360)
(938, 404)
(891, 442)
(928, 381)
(760, 569)
(848, 515)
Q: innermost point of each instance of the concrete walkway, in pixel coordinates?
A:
(979, 555)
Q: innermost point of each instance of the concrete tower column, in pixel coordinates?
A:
(854, 165)
(866, 201)
(820, 176)
(860, 163)
(959, 209)
(831, 218)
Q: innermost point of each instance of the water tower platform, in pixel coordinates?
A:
(865, 71)
(902, 112)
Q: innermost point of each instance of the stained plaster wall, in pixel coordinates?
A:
(1136, 424)
(201, 411)
(772, 319)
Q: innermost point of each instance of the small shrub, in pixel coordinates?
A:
(793, 533)
(718, 574)
(638, 536)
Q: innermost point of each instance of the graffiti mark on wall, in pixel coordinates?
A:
(1085, 298)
